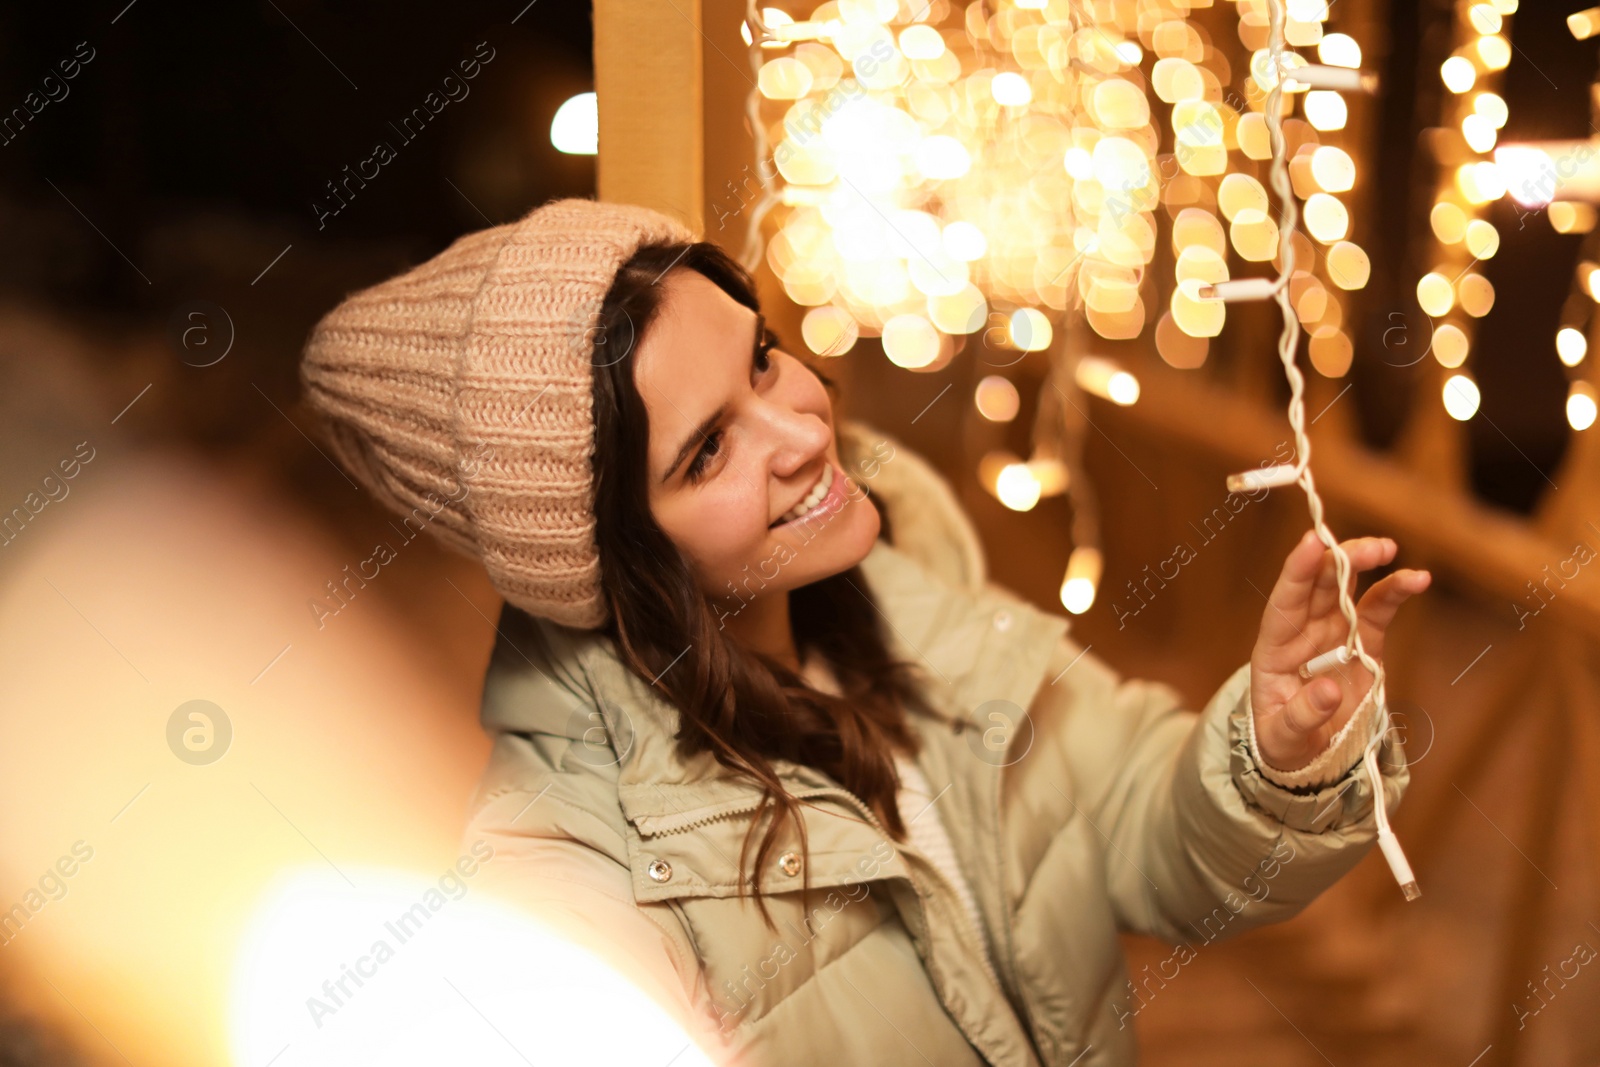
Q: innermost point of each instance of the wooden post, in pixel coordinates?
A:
(648, 76)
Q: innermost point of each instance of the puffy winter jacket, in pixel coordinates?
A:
(1103, 806)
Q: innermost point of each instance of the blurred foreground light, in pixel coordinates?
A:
(1581, 407)
(410, 971)
(576, 128)
(1082, 579)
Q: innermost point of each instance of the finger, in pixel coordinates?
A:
(1378, 607)
(1364, 554)
(1291, 594)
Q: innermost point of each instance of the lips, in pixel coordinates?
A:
(817, 499)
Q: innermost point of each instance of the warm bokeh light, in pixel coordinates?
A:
(997, 399)
(1106, 379)
(1333, 168)
(1475, 294)
(1458, 74)
(1571, 346)
(1569, 217)
(1017, 487)
(1482, 239)
(1082, 579)
(1348, 265)
(1581, 406)
(829, 331)
(1530, 174)
(1450, 345)
(910, 341)
(575, 129)
(438, 964)
(1339, 50)
(1460, 397)
(1449, 223)
(1326, 109)
(1435, 294)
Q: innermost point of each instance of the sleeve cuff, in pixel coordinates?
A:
(1344, 750)
(1309, 807)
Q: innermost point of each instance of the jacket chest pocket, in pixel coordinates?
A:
(750, 968)
(688, 856)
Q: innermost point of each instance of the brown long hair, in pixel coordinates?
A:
(744, 707)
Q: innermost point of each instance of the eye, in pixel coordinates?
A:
(697, 465)
(763, 359)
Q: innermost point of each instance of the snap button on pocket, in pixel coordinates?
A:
(1002, 620)
(789, 863)
(659, 870)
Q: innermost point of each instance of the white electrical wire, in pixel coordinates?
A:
(1288, 341)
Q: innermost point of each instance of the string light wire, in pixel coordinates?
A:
(1288, 341)
(1241, 289)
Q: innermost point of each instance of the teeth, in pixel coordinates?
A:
(814, 497)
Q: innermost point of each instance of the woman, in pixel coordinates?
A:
(759, 720)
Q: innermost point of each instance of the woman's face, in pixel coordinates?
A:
(741, 436)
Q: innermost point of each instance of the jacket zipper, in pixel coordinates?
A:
(744, 807)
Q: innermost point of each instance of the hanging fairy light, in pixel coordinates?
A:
(1280, 290)
(1453, 291)
(997, 171)
(1563, 178)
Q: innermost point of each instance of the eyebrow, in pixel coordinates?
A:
(703, 431)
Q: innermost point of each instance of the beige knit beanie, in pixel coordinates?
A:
(459, 394)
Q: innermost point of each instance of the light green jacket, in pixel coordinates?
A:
(1106, 806)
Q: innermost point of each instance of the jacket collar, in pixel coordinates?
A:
(971, 644)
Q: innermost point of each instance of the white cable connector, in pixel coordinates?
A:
(1320, 76)
(1387, 842)
(1337, 657)
(1392, 852)
(1263, 478)
(1240, 289)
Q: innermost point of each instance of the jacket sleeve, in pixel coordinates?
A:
(542, 865)
(1190, 823)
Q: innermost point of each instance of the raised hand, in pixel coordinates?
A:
(1296, 717)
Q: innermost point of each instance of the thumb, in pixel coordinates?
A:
(1313, 705)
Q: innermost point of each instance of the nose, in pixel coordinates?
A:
(799, 438)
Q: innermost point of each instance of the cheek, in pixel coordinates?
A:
(719, 528)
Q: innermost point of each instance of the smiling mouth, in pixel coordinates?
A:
(819, 493)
